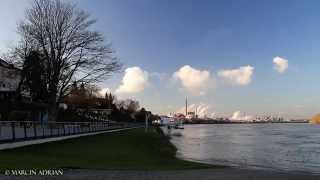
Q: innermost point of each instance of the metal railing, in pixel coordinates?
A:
(25, 130)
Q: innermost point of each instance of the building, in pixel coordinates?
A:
(13, 108)
(191, 115)
(179, 116)
(9, 80)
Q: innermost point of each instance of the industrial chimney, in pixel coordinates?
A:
(186, 106)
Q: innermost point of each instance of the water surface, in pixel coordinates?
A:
(282, 147)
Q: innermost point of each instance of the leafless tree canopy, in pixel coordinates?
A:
(72, 51)
(129, 105)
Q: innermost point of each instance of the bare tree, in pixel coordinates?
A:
(129, 105)
(72, 51)
(132, 105)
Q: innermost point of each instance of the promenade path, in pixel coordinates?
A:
(210, 174)
(59, 137)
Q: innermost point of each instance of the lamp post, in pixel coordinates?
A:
(147, 115)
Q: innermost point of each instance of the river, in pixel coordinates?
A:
(280, 147)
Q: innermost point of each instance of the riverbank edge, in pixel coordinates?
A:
(167, 143)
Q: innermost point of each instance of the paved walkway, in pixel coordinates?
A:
(11, 145)
(213, 174)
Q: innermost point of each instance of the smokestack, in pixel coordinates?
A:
(196, 111)
(186, 106)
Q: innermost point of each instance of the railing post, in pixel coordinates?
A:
(35, 129)
(64, 129)
(43, 131)
(13, 131)
(51, 133)
(25, 130)
(77, 129)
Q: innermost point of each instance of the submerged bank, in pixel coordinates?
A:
(126, 150)
(277, 147)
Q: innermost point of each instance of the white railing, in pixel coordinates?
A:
(26, 130)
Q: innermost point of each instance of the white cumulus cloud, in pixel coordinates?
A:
(238, 116)
(193, 80)
(280, 64)
(240, 76)
(134, 80)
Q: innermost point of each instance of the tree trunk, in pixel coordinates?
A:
(53, 89)
(53, 113)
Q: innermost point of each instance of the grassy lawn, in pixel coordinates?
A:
(131, 149)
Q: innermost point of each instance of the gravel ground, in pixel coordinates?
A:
(214, 174)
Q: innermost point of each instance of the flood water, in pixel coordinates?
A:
(281, 147)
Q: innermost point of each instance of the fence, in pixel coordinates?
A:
(24, 130)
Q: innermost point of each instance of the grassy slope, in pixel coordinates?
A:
(131, 149)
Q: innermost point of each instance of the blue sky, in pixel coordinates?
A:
(161, 37)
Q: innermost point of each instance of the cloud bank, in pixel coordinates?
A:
(195, 81)
(240, 76)
(280, 64)
(203, 110)
(134, 80)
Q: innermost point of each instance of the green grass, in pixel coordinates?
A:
(131, 149)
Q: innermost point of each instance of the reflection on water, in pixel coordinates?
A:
(288, 147)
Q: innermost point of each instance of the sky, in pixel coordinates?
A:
(229, 57)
